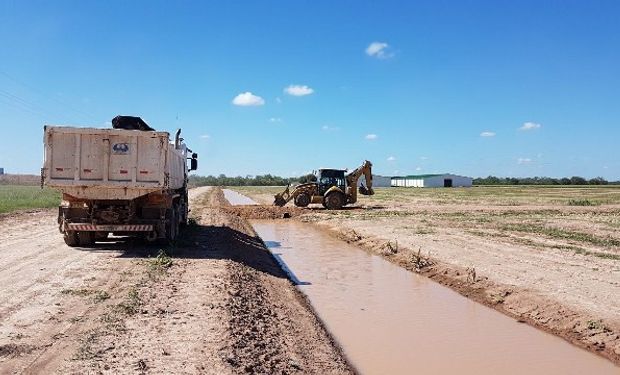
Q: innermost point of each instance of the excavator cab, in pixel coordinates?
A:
(327, 178)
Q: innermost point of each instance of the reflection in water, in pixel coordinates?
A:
(391, 321)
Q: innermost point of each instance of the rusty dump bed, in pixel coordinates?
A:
(91, 163)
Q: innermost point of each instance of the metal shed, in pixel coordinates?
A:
(377, 181)
(432, 180)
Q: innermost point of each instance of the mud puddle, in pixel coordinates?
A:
(389, 320)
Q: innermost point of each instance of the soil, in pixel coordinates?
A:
(562, 286)
(220, 304)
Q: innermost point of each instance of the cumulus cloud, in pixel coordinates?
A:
(418, 169)
(371, 137)
(378, 50)
(487, 134)
(524, 161)
(530, 126)
(298, 90)
(247, 99)
(275, 119)
(391, 158)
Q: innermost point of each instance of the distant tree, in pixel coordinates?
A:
(576, 180)
(307, 178)
(598, 181)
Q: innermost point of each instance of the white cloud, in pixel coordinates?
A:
(530, 126)
(423, 157)
(205, 136)
(371, 137)
(379, 50)
(487, 134)
(328, 128)
(524, 161)
(298, 90)
(418, 169)
(275, 119)
(248, 99)
(391, 158)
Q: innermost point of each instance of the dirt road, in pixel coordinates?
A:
(219, 305)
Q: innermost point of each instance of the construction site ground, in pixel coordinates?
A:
(219, 305)
(549, 257)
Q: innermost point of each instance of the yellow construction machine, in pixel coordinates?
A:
(332, 188)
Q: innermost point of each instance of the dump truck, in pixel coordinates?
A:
(128, 181)
(333, 188)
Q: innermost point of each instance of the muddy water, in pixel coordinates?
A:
(391, 321)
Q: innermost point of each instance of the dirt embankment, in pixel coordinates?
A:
(219, 305)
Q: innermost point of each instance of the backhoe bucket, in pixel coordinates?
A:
(279, 201)
(281, 198)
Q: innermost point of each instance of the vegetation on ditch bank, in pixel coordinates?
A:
(13, 198)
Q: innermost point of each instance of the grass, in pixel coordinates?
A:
(14, 198)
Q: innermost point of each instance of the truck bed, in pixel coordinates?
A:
(93, 163)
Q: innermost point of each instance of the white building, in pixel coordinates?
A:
(432, 180)
(377, 181)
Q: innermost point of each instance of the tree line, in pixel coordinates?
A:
(223, 180)
(575, 180)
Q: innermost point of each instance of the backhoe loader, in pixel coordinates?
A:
(333, 189)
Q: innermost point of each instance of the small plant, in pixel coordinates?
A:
(419, 261)
(132, 304)
(581, 202)
(161, 262)
(100, 296)
(596, 325)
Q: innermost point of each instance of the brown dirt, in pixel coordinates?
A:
(264, 212)
(530, 277)
(221, 306)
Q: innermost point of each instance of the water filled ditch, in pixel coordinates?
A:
(389, 320)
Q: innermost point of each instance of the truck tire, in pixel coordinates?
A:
(71, 238)
(302, 200)
(86, 238)
(172, 226)
(334, 201)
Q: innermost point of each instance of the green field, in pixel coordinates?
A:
(15, 197)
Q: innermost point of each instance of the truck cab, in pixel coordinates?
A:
(327, 178)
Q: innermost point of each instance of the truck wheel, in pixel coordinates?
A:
(86, 238)
(302, 200)
(334, 201)
(172, 227)
(71, 238)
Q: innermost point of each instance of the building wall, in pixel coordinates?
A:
(377, 181)
(432, 181)
(1, 171)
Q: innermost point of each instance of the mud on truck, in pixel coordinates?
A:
(128, 181)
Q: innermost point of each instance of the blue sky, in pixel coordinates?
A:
(509, 88)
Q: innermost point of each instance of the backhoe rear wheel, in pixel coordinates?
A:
(334, 201)
(302, 200)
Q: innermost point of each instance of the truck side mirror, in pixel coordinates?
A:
(194, 162)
